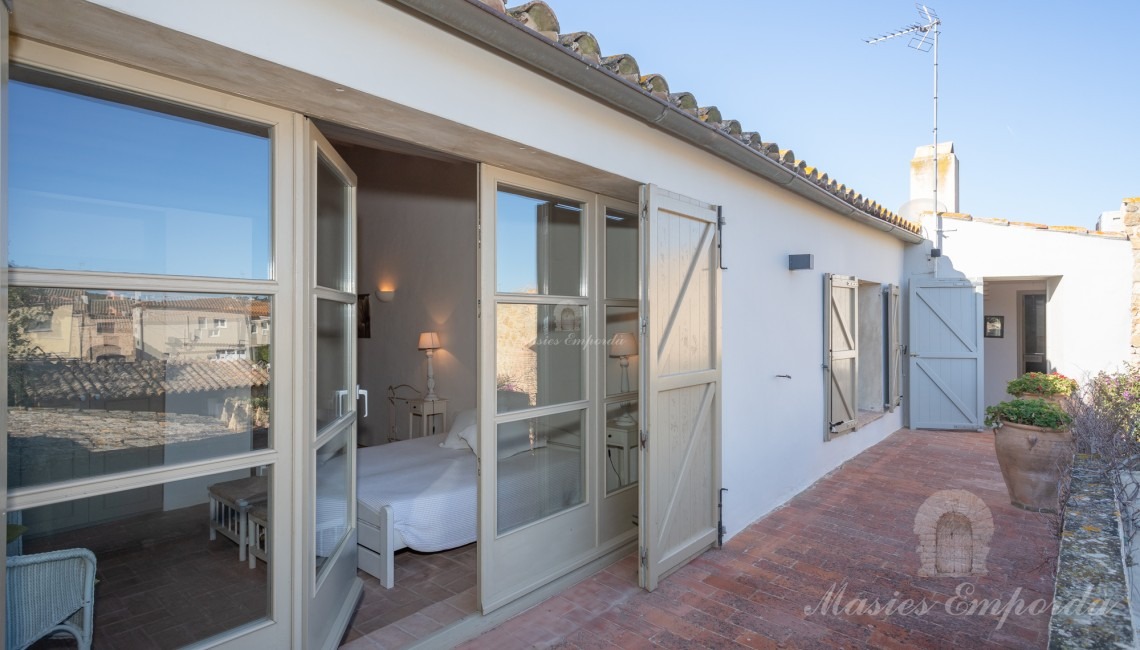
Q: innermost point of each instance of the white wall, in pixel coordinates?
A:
(416, 234)
(773, 318)
(1001, 355)
(1089, 286)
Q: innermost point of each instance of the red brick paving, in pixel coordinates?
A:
(854, 528)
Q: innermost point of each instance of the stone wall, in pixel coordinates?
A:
(1131, 211)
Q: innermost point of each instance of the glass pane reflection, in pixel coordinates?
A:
(166, 577)
(540, 468)
(101, 382)
(539, 239)
(622, 354)
(105, 181)
(331, 503)
(622, 444)
(539, 355)
(333, 227)
(333, 396)
(621, 255)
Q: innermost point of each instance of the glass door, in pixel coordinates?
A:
(539, 300)
(329, 528)
(1033, 333)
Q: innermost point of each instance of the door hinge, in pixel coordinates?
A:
(720, 223)
(478, 308)
(643, 554)
(644, 324)
(645, 211)
(644, 434)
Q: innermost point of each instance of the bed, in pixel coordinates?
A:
(416, 494)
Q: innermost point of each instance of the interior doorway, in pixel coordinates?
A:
(1032, 332)
(416, 227)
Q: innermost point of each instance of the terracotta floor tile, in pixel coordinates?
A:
(855, 528)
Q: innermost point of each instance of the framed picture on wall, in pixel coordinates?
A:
(995, 327)
(363, 317)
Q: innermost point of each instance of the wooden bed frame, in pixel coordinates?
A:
(378, 546)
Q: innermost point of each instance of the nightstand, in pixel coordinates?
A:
(622, 443)
(427, 410)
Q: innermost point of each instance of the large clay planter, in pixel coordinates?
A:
(1032, 462)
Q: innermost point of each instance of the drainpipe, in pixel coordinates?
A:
(529, 48)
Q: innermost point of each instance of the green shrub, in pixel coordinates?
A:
(1040, 383)
(1117, 397)
(1032, 412)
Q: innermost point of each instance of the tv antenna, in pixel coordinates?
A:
(924, 37)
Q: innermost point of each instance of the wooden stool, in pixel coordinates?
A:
(230, 502)
(258, 533)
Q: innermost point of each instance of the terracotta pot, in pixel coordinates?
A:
(1032, 462)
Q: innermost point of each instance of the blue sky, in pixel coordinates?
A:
(1040, 99)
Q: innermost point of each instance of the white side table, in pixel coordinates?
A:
(623, 441)
(426, 410)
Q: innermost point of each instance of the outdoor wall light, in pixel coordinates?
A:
(803, 262)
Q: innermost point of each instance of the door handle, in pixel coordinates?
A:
(340, 397)
(361, 392)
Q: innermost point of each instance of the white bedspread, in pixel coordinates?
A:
(432, 491)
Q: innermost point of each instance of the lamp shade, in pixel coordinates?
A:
(429, 340)
(623, 344)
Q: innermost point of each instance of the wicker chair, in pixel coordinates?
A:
(50, 592)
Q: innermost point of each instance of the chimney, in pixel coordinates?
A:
(922, 178)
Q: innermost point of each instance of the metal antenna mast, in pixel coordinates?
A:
(925, 38)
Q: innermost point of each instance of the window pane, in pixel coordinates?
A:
(539, 355)
(101, 382)
(332, 506)
(621, 255)
(622, 369)
(333, 228)
(622, 444)
(169, 567)
(539, 242)
(103, 181)
(333, 396)
(540, 468)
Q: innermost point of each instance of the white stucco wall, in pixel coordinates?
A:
(1088, 281)
(773, 428)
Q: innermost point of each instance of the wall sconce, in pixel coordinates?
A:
(386, 295)
(801, 262)
(429, 343)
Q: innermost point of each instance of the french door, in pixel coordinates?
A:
(328, 493)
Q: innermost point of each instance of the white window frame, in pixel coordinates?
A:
(275, 630)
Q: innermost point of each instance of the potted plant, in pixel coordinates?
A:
(1034, 446)
(1051, 386)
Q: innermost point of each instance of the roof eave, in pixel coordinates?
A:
(498, 32)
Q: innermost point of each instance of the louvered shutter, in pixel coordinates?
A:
(841, 343)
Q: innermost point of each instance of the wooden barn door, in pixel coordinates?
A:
(681, 348)
(945, 355)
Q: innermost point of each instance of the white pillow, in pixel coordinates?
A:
(470, 435)
(463, 420)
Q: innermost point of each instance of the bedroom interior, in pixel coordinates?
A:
(416, 510)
